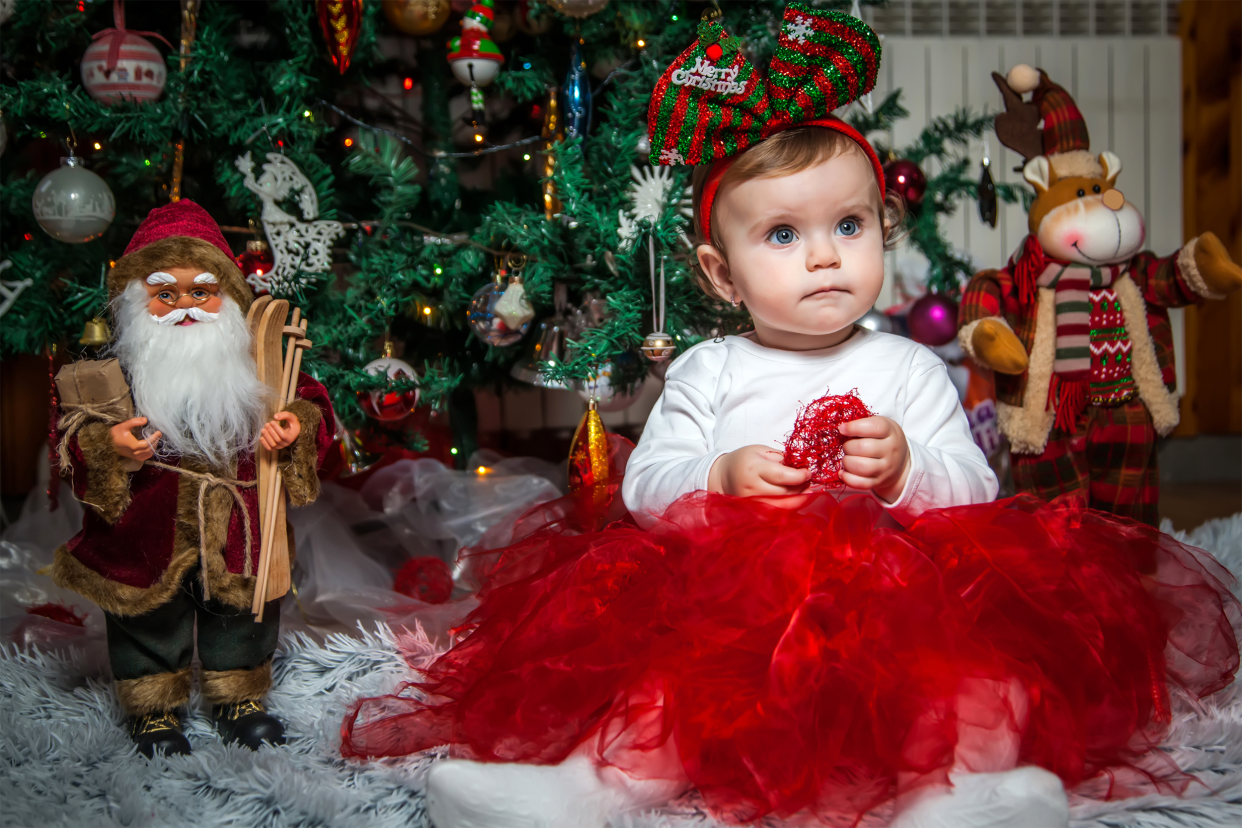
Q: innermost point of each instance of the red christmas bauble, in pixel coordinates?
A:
(389, 406)
(256, 265)
(904, 177)
(933, 319)
(425, 579)
(341, 22)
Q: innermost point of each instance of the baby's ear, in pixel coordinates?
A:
(716, 268)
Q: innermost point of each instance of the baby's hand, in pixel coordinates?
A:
(755, 470)
(877, 457)
(129, 446)
(281, 431)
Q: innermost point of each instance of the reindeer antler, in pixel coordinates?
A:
(1018, 126)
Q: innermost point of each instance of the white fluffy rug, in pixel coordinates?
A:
(66, 761)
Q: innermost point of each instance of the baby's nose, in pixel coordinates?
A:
(1114, 200)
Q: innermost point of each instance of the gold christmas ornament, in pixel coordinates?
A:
(658, 346)
(417, 17)
(95, 333)
(553, 131)
(589, 464)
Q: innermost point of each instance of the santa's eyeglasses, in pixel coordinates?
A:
(172, 297)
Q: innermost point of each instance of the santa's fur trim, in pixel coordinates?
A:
(1027, 426)
(154, 694)
(1144, 366)
(107, 481)
(301, 475)
(181, 251)
(1076, 164)
(233, 686)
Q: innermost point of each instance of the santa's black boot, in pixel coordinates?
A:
(248, 723)
(159, 732)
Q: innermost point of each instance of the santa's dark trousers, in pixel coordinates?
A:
(151, 653)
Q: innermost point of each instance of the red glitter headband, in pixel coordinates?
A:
(721, 165)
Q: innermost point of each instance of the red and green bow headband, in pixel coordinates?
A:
(711, 104)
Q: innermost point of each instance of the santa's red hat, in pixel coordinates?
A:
(180, 234)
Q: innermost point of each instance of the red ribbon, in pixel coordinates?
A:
(114, 48)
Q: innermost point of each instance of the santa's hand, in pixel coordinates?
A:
(131, 447)
(877, 457)
(756, 470)
(281, 431)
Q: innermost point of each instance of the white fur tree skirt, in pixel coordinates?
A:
(67, 762)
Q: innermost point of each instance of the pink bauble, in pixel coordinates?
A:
(933, 319)
(139, 74)
(388, 406)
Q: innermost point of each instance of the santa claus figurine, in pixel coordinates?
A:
(176, 542)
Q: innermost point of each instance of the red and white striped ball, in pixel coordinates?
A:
(139, 75)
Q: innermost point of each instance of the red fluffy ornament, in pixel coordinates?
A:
(816, 442)
(425, 579)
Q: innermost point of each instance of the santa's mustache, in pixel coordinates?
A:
(177, 315)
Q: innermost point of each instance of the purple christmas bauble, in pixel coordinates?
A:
(904, 177)
(933, 319)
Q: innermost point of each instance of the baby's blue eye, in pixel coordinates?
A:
(782, 235)
(849, 227)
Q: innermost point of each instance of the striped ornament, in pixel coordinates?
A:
(139, 75)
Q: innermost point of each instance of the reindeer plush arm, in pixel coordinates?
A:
(985, 334)
(1201, 270)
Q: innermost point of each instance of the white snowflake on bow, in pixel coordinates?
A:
(652, 190)
(671, 156)
(801, 30)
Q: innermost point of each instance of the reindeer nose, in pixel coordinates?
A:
(1114, 200)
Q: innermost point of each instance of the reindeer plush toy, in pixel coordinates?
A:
(1077, 326)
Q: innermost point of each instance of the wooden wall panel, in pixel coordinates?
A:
(1212, 163)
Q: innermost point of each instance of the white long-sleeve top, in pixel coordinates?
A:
(722, 395)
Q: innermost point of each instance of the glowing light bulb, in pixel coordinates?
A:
(427, 311)
(349, 142)
(98, 145)
(642, 43)
(408, 84)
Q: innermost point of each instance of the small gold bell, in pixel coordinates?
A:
(658, 346)
(95, 333)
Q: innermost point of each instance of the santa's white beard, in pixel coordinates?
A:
(196, 384)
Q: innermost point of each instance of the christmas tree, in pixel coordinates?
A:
(400, 229)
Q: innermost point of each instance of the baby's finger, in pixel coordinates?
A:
(863, 466)
(855, 481)
(779, 475)
(863, 447)
(866, 427)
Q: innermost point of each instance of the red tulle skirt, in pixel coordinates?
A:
(804, 657)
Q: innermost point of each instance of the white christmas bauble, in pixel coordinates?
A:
(475, 70)
(139, 74)
(608, 398)
(72, 204)
(391, 405)
(578, 8)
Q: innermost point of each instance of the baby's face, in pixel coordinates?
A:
(805, 251)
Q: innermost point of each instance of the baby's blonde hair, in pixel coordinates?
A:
(785, 153)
